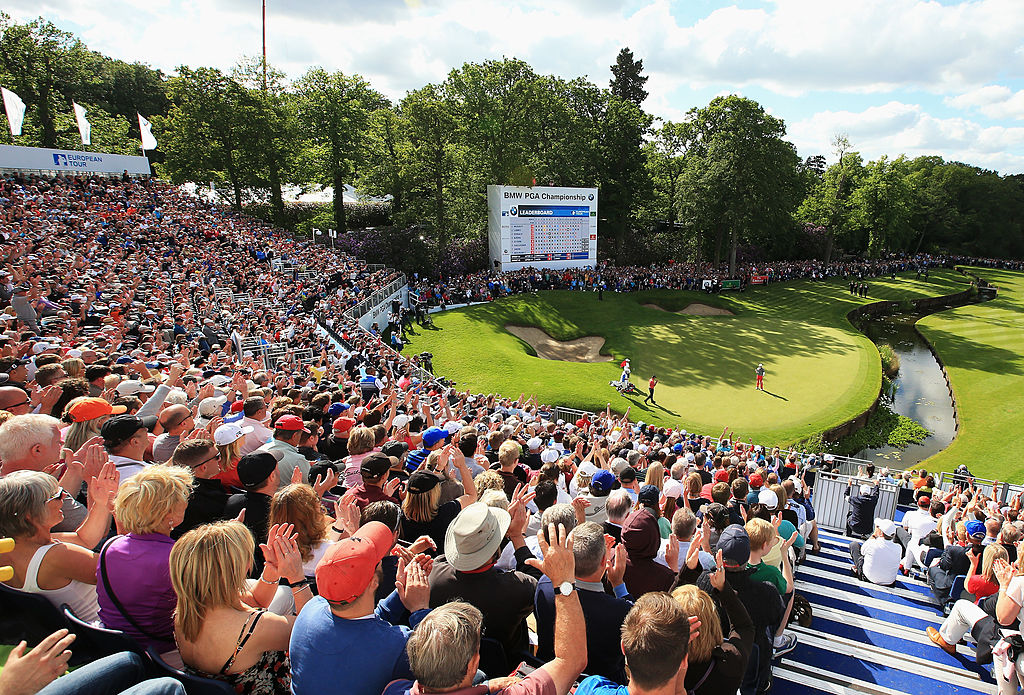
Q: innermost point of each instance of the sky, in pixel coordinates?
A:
(913, 77)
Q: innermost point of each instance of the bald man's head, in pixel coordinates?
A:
(176, 419)
(14, 400)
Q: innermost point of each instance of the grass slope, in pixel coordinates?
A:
(820, 370)
(982, 346)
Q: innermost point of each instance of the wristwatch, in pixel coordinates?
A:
(566, 588)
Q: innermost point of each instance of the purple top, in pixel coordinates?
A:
(138, 567)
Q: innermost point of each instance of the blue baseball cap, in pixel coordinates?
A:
(432, 436)
(124, 359)
(603, 481)
(337, 409)
(678, 448)
(975, 528)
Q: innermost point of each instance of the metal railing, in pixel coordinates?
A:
(376, 299)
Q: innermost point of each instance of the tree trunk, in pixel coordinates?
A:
(718, 246)
(276, 196)
(829, 243)
(732, 253)
(439, 201)
(45, 117)
(700, 249)
(338, 203)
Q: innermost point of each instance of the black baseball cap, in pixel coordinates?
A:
(253, 469)
(375, 465)
(735, 546)
(422, 481)
(120, 428)
(395, 449)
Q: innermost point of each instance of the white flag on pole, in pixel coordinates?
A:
(15, 108)
(84, 129)
(146, 128)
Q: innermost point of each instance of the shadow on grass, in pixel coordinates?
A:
(960, 352)
(775, 395)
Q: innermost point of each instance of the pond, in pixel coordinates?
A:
(920, 390)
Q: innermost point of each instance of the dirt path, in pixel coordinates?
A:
(586, 349)
(696, 309)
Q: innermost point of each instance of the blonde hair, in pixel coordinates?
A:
(360, 440)
(694, 483)
(992, 553)
(299, 504)
(74, 367)
(489, 480)
(697, 602)
(655, 475)
(208, 566)
(229, 453)
(760, 532)
(781, 493)
(422, 506)
(144, 500)
(508, 453)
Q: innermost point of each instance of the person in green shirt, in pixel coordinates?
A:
(763, 537)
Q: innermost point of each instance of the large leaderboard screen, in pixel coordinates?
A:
(542, 227)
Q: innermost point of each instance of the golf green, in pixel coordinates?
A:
(982, 347)
(820, 370)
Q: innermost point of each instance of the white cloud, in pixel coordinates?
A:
(791, 47)
(994, 101)
(897, 128)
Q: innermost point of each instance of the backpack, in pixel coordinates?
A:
(801, 613)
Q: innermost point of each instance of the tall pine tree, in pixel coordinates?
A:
(627, 82)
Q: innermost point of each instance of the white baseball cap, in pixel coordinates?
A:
(768, 498)
(887, 526)
(130, 387)
(550, 455)
(229, 433)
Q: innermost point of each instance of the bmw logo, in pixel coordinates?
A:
(590, 197)
(512, 211)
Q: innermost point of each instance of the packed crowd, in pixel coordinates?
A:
(286, 526)
(673, 276)
(963, 542)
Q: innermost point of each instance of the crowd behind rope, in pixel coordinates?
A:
(292, 526)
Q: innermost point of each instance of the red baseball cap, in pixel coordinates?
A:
(756, 480)
(236, 407)
(291, 423)
(343, 424)
(348, 566)
(721, 476)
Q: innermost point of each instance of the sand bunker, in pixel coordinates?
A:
(587, 349)
(696, 309)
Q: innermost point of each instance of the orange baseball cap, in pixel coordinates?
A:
(92, 408)
(348, 566)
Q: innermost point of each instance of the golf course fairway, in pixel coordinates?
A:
(820, 371)
(982, 347)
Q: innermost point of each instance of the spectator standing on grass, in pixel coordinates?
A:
(759, 373)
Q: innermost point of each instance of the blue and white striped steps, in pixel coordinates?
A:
(870, 640)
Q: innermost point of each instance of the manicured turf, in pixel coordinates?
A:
(820, 370)
(982, 346)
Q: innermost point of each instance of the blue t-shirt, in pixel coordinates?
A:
(365, 654)
(599, 685)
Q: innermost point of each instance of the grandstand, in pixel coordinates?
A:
(107, 266)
